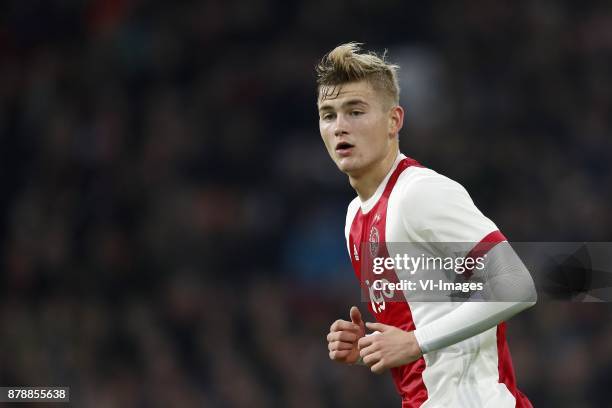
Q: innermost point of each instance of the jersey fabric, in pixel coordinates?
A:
(416, 204)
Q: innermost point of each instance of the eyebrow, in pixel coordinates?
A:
(349, 103)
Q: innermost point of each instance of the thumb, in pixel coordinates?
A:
(356, 316)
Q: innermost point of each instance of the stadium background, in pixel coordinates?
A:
(171, 227)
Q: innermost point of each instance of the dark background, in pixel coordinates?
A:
(171, 227)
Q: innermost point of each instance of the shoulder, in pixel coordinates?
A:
(437, 208)
(417, 186)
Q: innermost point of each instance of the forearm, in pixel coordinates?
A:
(466, 321)
(510, 290)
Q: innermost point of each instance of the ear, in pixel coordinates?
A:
(396, 120)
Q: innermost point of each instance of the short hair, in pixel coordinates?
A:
(347, 63)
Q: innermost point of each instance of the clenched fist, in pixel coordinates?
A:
(344, 336)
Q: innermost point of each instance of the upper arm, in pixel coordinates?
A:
(438, 209)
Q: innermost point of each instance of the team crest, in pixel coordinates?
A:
(374, 241)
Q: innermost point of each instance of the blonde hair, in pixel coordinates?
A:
(346, 63)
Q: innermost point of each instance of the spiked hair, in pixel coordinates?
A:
(347, 63)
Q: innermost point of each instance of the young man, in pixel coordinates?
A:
(440, 354)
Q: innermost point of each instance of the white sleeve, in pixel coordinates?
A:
(510, 290)
(438, 209)
(468, 320)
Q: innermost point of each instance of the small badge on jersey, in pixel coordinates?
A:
(355, 252)
(374, 240)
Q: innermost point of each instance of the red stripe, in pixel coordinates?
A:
(485, 244)
(506, 371)
(481, 248)
(401, 166)
(408, 378)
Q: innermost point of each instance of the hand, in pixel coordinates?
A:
(392, 347)
(343, 337)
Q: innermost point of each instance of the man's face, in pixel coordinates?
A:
(356, 126)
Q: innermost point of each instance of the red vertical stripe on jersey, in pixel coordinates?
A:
(368, 235)
(506, 371)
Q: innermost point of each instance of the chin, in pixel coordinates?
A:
(348, 166)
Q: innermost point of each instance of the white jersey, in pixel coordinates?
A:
(416, 204)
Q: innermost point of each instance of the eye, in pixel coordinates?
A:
(356, 113)
(328, 116)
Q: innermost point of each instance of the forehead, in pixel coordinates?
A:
(332, 95)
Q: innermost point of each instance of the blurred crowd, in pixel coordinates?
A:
(171, 227)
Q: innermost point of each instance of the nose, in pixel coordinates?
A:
(341, 126)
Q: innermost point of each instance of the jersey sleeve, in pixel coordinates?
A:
(510, 289)
(438, 209)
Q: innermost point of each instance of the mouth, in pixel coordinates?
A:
(344, 148)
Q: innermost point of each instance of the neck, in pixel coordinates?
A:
(365, 184)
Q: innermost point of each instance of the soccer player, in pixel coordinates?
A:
(440, 354)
